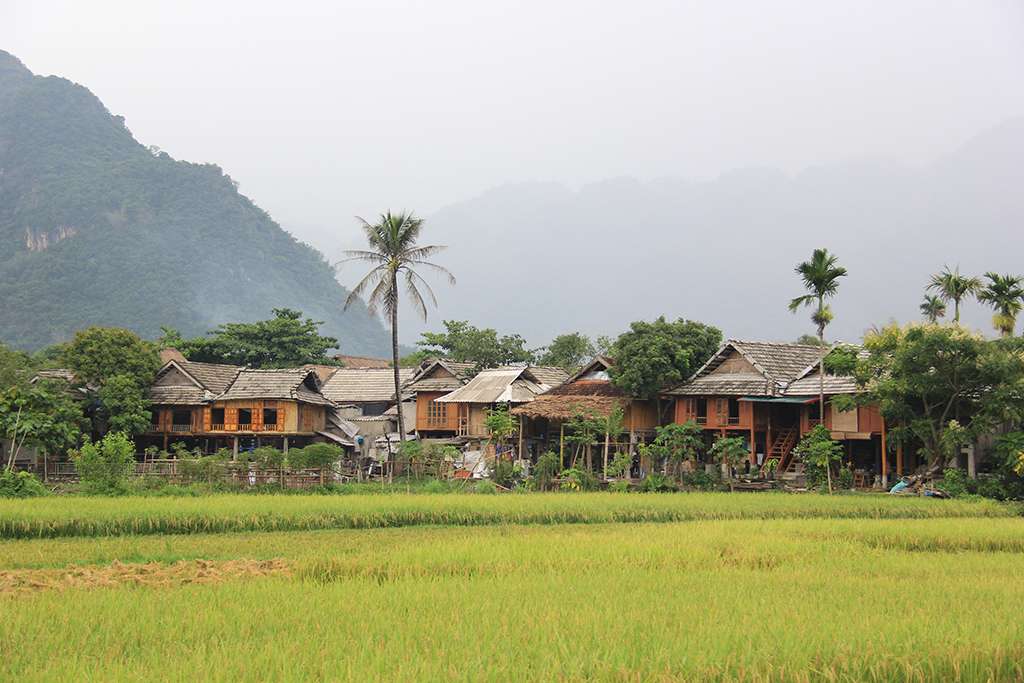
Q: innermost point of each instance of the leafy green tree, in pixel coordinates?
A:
(98, 353)
(285, 341)
(810, 340)
(469, 344)
(1005, 294)
(729, 452)
(123, 405)
(820, 277)
(582, 430)
(103, 467)
(941, 384)
(952, 286)
(568, 351)
(932, 308)
(818, 448)
(654, 355)
(614, 424)
(15, 367)
(395, 253)
(42, 416)
(500, 424)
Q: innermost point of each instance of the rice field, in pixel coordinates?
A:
(815, 588)
(83, 516)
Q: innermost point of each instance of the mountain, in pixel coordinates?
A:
(96, 229)
(553, 259)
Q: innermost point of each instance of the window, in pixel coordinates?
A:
(701, 412)
(437, 413)
(734, 411)
(270, 416)
(244, 417)
(217, 416)
(154, 418)
(182, 417)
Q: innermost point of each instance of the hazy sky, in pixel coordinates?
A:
(322, 110)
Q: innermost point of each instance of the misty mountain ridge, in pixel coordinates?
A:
(96, 229)
(540, 258)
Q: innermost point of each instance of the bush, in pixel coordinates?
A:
(621, 464)
(656, 483)
(700, 480)
(576, 479)
(210, 468)
(267, 457)
(503, 473)
(20, 485)
(435, 486)
(992, 487)
(545, 470)
(953, 483)
(619, 486)
(485, 486)
(844, 482)
(316, 456)
(103, 467)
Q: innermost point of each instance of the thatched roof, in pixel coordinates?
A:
(564, 407)
(366, 385)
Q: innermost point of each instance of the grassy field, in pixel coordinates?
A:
(82, 516)
(816, 588)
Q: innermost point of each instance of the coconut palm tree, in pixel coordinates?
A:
(820, 276)
(952, 286)
(1004, 293)
(395, 255)
(932, 308)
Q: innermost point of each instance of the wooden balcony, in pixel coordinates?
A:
(181, 428)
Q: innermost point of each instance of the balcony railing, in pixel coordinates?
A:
(181, 428)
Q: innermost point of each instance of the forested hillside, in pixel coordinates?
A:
(97, 229)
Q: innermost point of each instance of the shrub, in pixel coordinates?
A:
(576, 479)
(267, 457)
(700, 480)
(656, 483)
(103, 467)
(316, 456)
(844, 482)
(619, 486)
(20, 485)
(992, 487)
(503, 473)
(953, 483)
(209, 468)
(621, 464)
(485, 486)
(545, 470)
(435, 486)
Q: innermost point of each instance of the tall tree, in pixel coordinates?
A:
(1005, 294)
(284, 341)
(395, 254)
(470, 344)
(654, 355)
(932, 308)
(952, 286)
(568, 351)
(820, 276)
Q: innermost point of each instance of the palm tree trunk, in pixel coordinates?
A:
(394, 365)
(821, 368)
(956, 311)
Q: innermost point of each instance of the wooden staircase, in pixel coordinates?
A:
(781, 449)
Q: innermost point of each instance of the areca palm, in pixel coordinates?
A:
(932, 308)
(395, 255)
(952, 286)
(1004, 293)
(820, 276)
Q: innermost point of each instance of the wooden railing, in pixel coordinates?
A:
(181, 428)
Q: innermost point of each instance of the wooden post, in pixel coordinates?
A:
(753, 441)
(885, 461)
(607, 438)
(899, 459)
(234, 449)
(286, 445)
(519, 453)
(561, 444)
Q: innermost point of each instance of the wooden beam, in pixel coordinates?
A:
(885, 460)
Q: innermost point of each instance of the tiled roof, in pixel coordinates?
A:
(507, 385)
(441, 375)
(178, 395)
(216, 377)
(369, 385)
(726, 384)
(809, 385)
(296, 384)
(362, 362)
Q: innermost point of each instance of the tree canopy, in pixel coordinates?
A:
(941, 384)
(652, 356)
(98, 353)
(467, 343)
(286, 340)
(568, 351)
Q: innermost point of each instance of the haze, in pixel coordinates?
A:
(325, 110)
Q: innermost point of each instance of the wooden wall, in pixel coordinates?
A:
(718, 412)
(450, 423)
